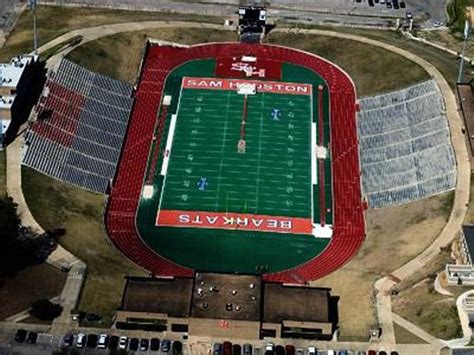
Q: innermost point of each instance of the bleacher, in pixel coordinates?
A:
(405, 146)
(81, 120)
(349, 228)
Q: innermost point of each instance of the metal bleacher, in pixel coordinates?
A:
(81, 123)
(405, 147)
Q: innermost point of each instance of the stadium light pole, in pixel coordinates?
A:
(467, 29)
(35, 39)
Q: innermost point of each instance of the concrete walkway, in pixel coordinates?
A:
(464, 318)
(416, 330)
(60, 257)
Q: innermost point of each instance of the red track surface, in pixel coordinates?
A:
(125, 193)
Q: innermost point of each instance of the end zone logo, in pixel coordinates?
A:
(234, 221)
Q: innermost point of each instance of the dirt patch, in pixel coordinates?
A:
(33, 283)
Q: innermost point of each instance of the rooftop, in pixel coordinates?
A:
(296, 303)
(219, 296)
(166, 296)
(10, 73)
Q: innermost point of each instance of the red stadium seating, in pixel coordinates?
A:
(349, 226)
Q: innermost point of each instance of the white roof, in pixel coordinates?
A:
(10, 73)
(4, 126)
(6, 102)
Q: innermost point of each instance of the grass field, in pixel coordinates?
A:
(101, 55)
(361, 61)
(55, 204)
(394, 236)
(403, 336)
(41, 281)
(52, 21)
(254, 182)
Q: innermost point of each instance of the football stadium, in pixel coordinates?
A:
(239, 158)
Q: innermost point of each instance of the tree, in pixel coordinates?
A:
(44, 309)
(19, 247)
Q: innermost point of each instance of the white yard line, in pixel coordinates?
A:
(222, 151)
(259, 151)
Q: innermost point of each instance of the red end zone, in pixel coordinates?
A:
(248, 222)
(276, 87)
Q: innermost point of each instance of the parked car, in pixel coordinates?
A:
(216, 349)
(236, 349)
(31, 338)
(155, 344)
(113, 342)
(134, 342)
(103, 341)
(68, 339)
(290, 349)
(20, 335)
(123, 342)
(279, 350)
(177, 347)
(91, 341)
(312, 350)
(269, 349)
(144, 344)
(247, 349)
(80, 340)
(372, 352)
(299, 351)
(227, 348)
(165, 345)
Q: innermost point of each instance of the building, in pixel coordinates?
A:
(19, 83)
(463, 274)
(233, 306)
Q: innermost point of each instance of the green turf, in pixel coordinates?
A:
(254, 182)
(273, 177)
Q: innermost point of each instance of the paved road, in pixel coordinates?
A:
(346, 12)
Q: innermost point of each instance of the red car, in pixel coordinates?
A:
(227, 348)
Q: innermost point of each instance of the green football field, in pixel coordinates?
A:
(206, 172)
(272, 177)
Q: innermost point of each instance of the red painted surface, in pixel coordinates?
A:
(349, 227)
(234, 221)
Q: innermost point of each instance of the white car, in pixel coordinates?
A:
(81, 340)
(123, 342)
(311, 350)
(269, 347)
(103, 340)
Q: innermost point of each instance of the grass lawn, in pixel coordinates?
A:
(420, 304)
(403, 336)
(33, 283)
(458, 14)
(470, 211)
(395, 235)
(104, 55)
(374, 70)
(52, 21)
(56, 204)
(363, 62)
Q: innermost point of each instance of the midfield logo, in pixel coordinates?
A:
(248, 69)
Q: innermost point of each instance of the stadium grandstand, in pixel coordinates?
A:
(80, 123)
(405, 146)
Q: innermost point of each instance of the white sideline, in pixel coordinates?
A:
(169, 143)
(314, 175)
